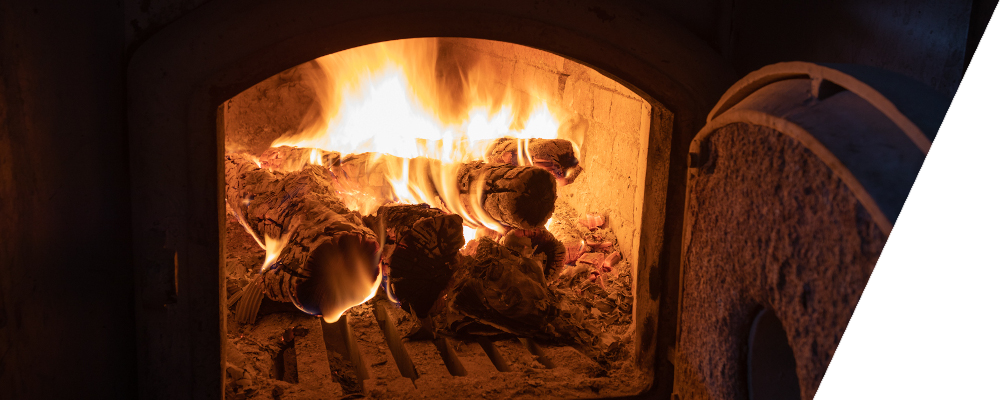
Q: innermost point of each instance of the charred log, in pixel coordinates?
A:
(501, 290)
(556, 156)
(421, 251)
(322, 257)
(288, 159)
(498, 292)
(516, 197)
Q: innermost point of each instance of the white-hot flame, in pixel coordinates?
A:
(468, 233)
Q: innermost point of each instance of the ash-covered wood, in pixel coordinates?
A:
(538, 242)
(499, 291)
(556, 156)
(367, 174)
(288, 159)
(325, 254)
(421, 251)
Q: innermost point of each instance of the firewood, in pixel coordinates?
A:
(516, 197)
(500, 292)
(540, 241)
(556, 156)
(321, 256)
(421, 249)
(288, 159)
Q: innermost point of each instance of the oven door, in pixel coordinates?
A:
(839, 242)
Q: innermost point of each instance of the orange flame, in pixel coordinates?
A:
(386, 97)
(389, 98)
(393, 98)
(273, 248)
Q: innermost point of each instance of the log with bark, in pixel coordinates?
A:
(501, 290)
(420, 252)
(515, 197)
(557, 156)
(290, 159)
(509, 195)
(321, 257)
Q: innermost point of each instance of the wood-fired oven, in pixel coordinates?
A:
(750, 211)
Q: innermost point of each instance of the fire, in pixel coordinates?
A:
(387, 98)
(272, 248)
(468, 233)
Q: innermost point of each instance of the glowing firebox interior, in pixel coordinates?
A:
(418, 113)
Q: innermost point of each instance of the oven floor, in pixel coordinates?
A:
(253, 351)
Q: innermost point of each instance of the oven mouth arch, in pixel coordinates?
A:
(178, 77)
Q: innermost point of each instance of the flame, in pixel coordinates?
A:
(468, 233)
(346, 276)
(332, 314)
(272, 249)
(314, 158)
(394, 98)
(389, 98)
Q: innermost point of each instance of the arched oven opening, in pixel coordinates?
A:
(780, 197)
(178, 125)
(500, 191)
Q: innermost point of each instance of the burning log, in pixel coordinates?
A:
(320, 256)
(556, 156)
(288, 159)
(512, 196)
(515, 197)
(502, 290)
(422, 245)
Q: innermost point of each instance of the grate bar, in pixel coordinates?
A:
(395, 343)
(537, 351)
(340, 338)
(493, 353)
(451, 361)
